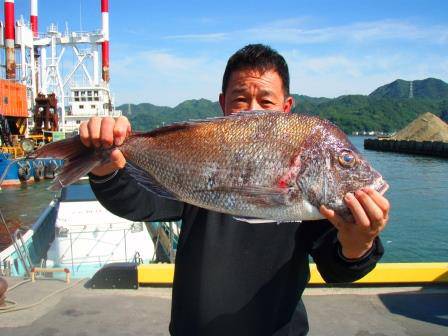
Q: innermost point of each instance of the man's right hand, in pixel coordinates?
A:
(106, 132)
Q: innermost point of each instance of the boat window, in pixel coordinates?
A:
(80, 191)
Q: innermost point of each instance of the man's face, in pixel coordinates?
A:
(251, 90)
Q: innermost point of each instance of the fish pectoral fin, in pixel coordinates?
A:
(259, 195)
(147, 181)
(251, 220)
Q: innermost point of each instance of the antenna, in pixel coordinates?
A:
(411, 90)
(80, 15)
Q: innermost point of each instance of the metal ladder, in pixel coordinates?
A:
(21, 249)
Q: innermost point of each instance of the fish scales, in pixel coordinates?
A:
(261, 164)
(246, 151)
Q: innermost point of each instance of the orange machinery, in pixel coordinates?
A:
(13, 99)
(13, 115)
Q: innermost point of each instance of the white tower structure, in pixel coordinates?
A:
(74, 80)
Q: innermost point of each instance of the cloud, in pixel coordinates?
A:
(325, 61)
(336, 75)
(210, 37)
(293, 31)
(164, 78)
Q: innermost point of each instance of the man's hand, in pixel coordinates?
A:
(371, 213)
(105, 132)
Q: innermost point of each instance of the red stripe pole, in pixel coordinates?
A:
(105, 44)
(9, 40)
(33, 18)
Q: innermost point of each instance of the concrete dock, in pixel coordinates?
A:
(430, 148)
(361, 311)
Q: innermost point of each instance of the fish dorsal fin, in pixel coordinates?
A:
(254, 113)
(162, 130)
(147, 181)
(195, 122)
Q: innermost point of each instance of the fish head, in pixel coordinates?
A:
(331, 167)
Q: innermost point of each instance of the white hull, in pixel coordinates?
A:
(88, 236)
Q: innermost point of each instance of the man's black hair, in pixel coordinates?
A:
(258, 57)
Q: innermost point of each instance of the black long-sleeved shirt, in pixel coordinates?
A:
(235, 278)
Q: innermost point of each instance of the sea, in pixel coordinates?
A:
(418, 226)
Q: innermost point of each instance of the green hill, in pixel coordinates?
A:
(146, 116)
(429, 88)
(363, 113)
(387, 109)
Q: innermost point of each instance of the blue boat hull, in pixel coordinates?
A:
(14, 173)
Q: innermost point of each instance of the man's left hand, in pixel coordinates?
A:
(370, 211)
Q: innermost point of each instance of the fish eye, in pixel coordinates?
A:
(347, 159)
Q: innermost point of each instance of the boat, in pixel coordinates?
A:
(44, 97)
(77, 233)
(88, 101)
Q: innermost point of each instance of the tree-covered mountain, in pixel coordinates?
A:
(431, 88)
(146, 116)
(385, 109)
(357, 113)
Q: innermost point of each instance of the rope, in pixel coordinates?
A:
(18, 284)
(14, 307)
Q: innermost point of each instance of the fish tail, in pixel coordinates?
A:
(78, 160)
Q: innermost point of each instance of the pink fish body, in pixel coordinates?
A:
(261, 164)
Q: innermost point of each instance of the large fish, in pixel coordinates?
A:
(261, 164)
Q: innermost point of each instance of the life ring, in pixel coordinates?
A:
(24, 171)
(39, 171)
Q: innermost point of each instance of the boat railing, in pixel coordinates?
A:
(165, 236)
(22, 251)
(73, 237)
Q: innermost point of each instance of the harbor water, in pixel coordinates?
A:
(418, 225)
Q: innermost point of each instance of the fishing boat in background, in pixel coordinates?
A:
(15, 139)
(54, 86)
(77, 233)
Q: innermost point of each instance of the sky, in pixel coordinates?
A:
(165, 52)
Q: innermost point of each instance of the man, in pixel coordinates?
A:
(231, 277)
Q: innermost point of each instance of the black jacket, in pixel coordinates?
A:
(235, 278)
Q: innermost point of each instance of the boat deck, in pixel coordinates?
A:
(360, 311)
